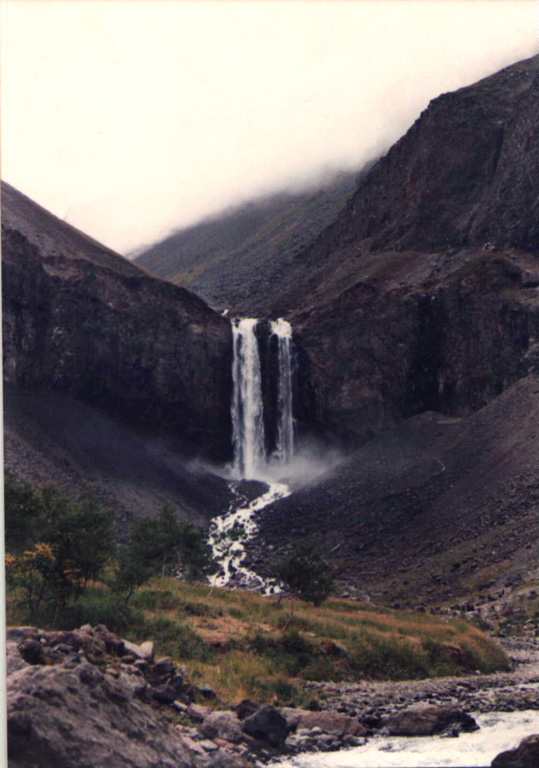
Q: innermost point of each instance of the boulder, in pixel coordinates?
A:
(331, 722)
(526, 755)
(81, 718)
(32, 651)
(14, 660)
(267, 725)
(246, 708)
(165, 695)
(206, 691)
(427, 720)
(198, 712)
(334, 650)
(18, 634)
(222, 725)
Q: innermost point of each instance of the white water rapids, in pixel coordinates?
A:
(499, 731)
(229, 533)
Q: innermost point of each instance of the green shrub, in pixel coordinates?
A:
(285, 690)
(156, 599)
(197, 609)
(290, 652)
(101, 606)
(389, 659)
(173, 639)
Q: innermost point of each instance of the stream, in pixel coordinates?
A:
(498, 732)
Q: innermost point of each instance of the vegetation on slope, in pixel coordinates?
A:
(242, 644)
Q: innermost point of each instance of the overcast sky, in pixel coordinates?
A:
(131, 118)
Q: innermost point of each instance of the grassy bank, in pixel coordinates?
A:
(245, 645)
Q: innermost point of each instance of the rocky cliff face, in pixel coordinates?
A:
(423, 293)
(465, 173)
(81, 320)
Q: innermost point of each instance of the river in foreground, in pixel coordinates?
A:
(498, 732)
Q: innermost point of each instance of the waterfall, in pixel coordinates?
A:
(251, 440)
(247, 407)
(285, 424)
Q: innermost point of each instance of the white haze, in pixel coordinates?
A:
(130, 119)
(309, 464)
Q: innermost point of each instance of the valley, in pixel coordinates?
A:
(356, 371)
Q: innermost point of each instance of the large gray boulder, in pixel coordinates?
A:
(327, 720)
(222, 725)
(526, 755)
(427, 720)
(79, 717)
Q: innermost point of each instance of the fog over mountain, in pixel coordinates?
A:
(129, 120)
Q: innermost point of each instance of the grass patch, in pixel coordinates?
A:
(235, 641)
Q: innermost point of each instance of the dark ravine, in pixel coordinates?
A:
(238, 256)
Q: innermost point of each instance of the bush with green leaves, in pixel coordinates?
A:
(306, 573)
(162, 545)
(55, 544)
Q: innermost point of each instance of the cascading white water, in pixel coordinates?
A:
(230, 532)
(285, 426)
(247, 405)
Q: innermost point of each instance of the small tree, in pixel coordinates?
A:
(306, 574)
(55, 544)
(162, 544)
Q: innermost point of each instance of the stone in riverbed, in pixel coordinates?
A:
(198, 712)
(267, 725)
(526, 755)
(427, 720)
(328, 721)
(223, 725)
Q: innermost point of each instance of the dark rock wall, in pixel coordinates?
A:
(423, 293)
(379, 351)
(139, 348)
(465, 173)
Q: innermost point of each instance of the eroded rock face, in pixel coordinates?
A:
(412, 332)
(423, 293)
(81, 718)
(86, 700)
(82, 320)
(464, 173)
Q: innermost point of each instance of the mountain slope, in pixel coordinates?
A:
(239, 255)
(433, 509)
(423, 293)
(84, 321)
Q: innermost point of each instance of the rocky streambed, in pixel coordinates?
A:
(510, 691)
(88, 698)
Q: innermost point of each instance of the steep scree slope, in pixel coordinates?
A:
(435, 508)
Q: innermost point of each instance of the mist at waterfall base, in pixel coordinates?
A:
(267, 448)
